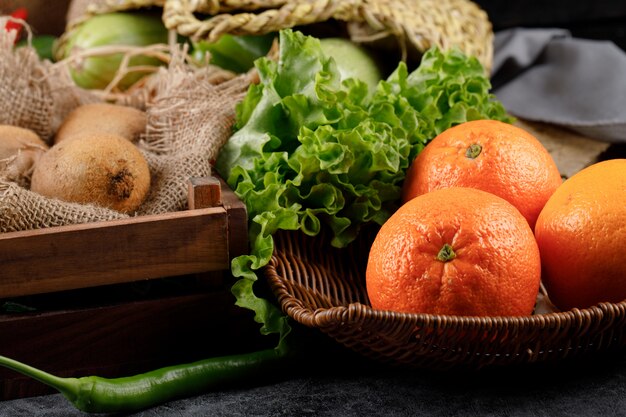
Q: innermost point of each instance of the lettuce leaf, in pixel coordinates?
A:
(312, 151)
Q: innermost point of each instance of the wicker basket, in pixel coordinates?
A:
(415, 25)
(324, 288)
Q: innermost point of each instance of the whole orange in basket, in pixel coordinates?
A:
(489, 155)
(581, 233)
(456, 251)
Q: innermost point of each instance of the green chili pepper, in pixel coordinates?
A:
(94, 394)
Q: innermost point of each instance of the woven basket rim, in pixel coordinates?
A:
(319, 316)
(600, 308)
(422, 339)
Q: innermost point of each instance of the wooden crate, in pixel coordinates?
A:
(91, 318)
(203, 238)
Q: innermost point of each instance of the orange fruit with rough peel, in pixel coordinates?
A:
(456, 251)
(492, 156)
(581, 233)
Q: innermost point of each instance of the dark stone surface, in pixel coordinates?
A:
(338, 383)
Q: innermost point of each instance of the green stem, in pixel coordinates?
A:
(446, 253)
(473, 151)
(66, 386)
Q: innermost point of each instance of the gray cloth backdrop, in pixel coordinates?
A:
(546, 75)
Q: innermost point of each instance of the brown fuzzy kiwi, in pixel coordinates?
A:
(95, 168)
(124, 121)
(20, 149)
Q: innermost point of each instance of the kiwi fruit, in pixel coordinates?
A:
(94, 168)
(20, 149)
(124, 121)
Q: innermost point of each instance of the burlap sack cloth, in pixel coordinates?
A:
(190, 113)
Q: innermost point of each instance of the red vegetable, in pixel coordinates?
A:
(20, 13)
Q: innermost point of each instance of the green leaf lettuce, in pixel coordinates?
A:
(312, 151)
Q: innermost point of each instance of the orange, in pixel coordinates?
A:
(581, 233)
(489, 155)
(456, 251)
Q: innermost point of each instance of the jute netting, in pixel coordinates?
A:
(190, 112)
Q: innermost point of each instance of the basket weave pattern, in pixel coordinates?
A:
(324, 288)
(424, 23)
(416, 25)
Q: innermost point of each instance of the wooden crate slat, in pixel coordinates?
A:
(145, 247)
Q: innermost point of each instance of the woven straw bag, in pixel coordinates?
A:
(415, 25)
(324, 288)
